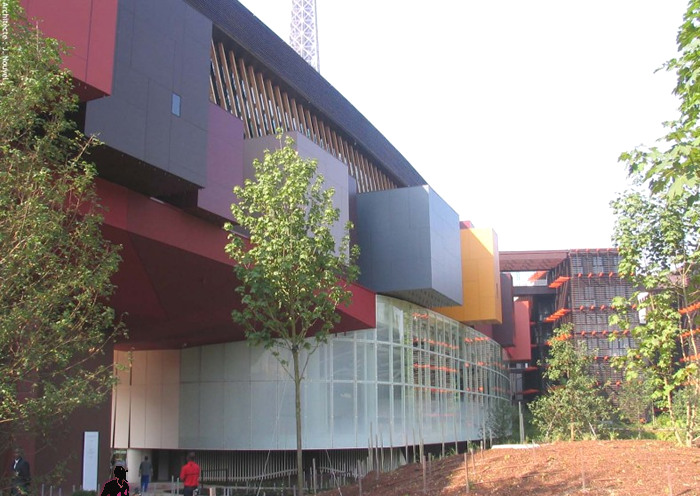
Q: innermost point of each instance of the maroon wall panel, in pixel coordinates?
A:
(521, 352)
(88, 28)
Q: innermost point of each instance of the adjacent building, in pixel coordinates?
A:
(573, 287)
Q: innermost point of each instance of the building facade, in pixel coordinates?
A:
(418, 379)
(184, 95)
(571, 287)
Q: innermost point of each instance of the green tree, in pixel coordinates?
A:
(673, 165)
(502, 417)
(55, 266)
(574, 406)
(635, 403)
(292, 274)
(658, 236)
(657, 231)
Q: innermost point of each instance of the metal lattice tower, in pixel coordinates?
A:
(303, 35)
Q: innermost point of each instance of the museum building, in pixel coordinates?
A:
(184, 95)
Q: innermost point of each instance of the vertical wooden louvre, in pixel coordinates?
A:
(265, 106)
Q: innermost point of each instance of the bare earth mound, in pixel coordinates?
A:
(618, 468)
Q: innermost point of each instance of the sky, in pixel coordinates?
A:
(514, 111)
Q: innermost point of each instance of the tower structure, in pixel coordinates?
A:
(303, 34)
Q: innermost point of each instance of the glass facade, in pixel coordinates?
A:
(418, 378)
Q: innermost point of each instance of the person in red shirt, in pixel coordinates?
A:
(189, 475)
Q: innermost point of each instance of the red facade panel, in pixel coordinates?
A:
(88, 28)
(521, 352)
(175, 284)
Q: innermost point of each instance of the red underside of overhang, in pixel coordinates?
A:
(175, 283)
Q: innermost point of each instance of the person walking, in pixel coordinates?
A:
(117, 486)
(189, 475)
(20, 475)
(145, 472)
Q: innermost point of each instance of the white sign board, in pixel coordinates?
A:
(91, 442)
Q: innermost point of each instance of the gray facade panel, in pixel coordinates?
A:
(161, 49)
(152, 55)
(189, 415)
(158, 126)
(117, 123)
(130, 86)
(125, 33)
(445, 243)
(186, 144)
(410, 245)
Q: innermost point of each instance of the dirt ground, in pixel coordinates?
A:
(619, 468)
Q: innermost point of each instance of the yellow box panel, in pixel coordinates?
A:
(481, 288)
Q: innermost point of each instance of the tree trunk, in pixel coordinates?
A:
(297, 404)
(672, 416)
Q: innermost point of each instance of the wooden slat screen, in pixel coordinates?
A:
(264, 107)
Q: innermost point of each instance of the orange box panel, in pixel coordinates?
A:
(480, 279)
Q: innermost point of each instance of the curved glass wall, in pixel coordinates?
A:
(419, 377)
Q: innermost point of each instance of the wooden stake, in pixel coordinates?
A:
(359, 478)
(466, 472)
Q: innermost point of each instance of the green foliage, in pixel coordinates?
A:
(292, 274)
(55, 266)
(574, 405)
(658, 234)
(635, 401)
(502, 422)
(658, 241)
(673, 167)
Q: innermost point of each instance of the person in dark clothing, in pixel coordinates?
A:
(117, 486)
(21, 476)
(146, 472)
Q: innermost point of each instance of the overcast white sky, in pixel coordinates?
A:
(514, 111)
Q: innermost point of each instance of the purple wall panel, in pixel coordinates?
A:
(224, 162)
(504, 333)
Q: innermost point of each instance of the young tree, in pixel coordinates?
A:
(658, 237)
(657, 232)
(292, 274)
(574, 406)
(635, 403)
(674, 166)
(55, 266)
